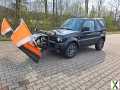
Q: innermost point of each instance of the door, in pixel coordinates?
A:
(88, 34)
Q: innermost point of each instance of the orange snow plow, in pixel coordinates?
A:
(22, 38)
(5, 27)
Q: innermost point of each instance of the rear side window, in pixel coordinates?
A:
(98, 26)
(102, 23)
(90, 24)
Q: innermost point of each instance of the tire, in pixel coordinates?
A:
(71, 50)
(100, 44)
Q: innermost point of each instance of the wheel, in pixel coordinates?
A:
(71, 50)
(99, 45)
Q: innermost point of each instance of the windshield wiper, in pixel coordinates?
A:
(65, 28)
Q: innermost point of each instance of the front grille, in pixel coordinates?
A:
(52, 38)
(42, 41)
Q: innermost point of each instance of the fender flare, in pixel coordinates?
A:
(70, 40)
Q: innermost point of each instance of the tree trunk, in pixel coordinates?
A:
(53, 7)
(46, 8)
(56, 7)
(100, 2)
(86, 7)
(61, 8)
(116, 12)
(18, 8)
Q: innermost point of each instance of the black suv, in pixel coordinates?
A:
(78, 32)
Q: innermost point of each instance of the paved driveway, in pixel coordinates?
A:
(89, 70)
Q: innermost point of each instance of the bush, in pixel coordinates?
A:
(111, 24)
(3, 38)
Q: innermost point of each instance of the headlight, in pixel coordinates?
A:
(59, 39)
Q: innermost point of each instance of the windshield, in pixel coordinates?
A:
(72, 24)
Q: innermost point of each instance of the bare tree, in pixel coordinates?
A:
(56, 7)
(93, 11)
(100, 5)
(116, 6)
(60, 7)
(77, 10)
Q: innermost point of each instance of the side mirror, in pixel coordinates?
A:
(85, 29)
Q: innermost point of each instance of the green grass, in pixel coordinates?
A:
(114, 32)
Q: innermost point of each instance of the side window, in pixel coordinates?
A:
(90, 24)
(78, 25)
(98, 26)
(102, 23)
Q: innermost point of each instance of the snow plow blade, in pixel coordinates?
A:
(22, 38)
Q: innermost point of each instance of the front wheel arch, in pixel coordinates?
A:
(71, 40)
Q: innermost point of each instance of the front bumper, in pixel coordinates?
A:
(55, 46)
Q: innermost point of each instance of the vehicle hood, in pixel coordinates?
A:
(35, 36)
(63, 32)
